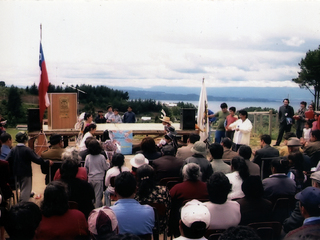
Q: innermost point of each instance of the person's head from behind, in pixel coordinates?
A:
(87, 141)
(238, 164)
(216, 151)
(232, 111)
(265, 139)
(117, 160)
(296, 160)
(279, 165)
(168, 150)
(240, 233)
(252, 187)
(148, 145)
(21, 137)
(71, 153)
(68, 169)
(146, 181)
(224, 107)
(55, 199)
(245, 151)
(309, 202)
(226, 142)
(94, 147)
(125, 185)
(22, 221)
(191, 172)
(218, 187)
(193, 138)
(103, 223)
(6, 139)
(195, 219)
(315, 135)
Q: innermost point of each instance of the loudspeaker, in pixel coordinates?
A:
(33, 120)
(187, 118)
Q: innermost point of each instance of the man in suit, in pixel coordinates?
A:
(286, 119)
(228, 154)
(185, 152)
(168, 165)
(266, 151)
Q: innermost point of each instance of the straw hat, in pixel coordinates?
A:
(166, 119)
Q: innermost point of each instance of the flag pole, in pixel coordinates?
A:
(40, 32)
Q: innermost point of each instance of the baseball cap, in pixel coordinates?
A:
(102, 221)
(195, 211)
(316, 176)
(309, 197)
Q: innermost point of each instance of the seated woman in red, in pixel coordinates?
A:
(58, 221)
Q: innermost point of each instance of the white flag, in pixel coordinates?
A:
(202, 120)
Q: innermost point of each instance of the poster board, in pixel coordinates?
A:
(62, 112)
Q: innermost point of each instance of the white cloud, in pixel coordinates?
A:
(293, 41)
(150, 43)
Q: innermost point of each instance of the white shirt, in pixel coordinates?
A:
(243, 135)
(236, 181)
(82, 145)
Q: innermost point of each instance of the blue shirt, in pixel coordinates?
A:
(4, 151)
(211, 119)
(133, 217)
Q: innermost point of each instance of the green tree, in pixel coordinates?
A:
(309, 74)
(14, 106)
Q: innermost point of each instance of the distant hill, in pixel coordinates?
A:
(217, 94)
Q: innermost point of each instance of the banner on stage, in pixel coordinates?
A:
(124, 139)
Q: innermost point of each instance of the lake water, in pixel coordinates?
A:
(215, 105)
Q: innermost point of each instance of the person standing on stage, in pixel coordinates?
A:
(286, 119)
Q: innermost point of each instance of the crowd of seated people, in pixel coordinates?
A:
(230, 194)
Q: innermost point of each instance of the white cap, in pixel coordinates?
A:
(195, 211)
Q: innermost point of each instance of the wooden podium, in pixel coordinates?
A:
(62, 112)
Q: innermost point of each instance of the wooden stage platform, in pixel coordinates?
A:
(136, 128)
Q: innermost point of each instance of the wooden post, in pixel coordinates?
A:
(254, 123)
(261, 120)
(270, 121)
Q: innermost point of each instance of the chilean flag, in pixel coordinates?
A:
(43, 86)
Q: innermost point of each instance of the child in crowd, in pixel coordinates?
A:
(315, 122)
(307, 131)
(96, 165)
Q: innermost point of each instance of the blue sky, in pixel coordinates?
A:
(158, 43)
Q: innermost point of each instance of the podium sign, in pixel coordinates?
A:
(62, 112)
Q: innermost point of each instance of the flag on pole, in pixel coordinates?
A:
(43, 86)
(202, 121)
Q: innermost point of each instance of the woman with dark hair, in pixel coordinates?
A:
(224, 213)
(117, 167)
(240, 172)
(149, 148)
(279, 184)
(149, 192)
(253, 207)
(96, 165)
(88, 132)
(58, 221)
(296, 169)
